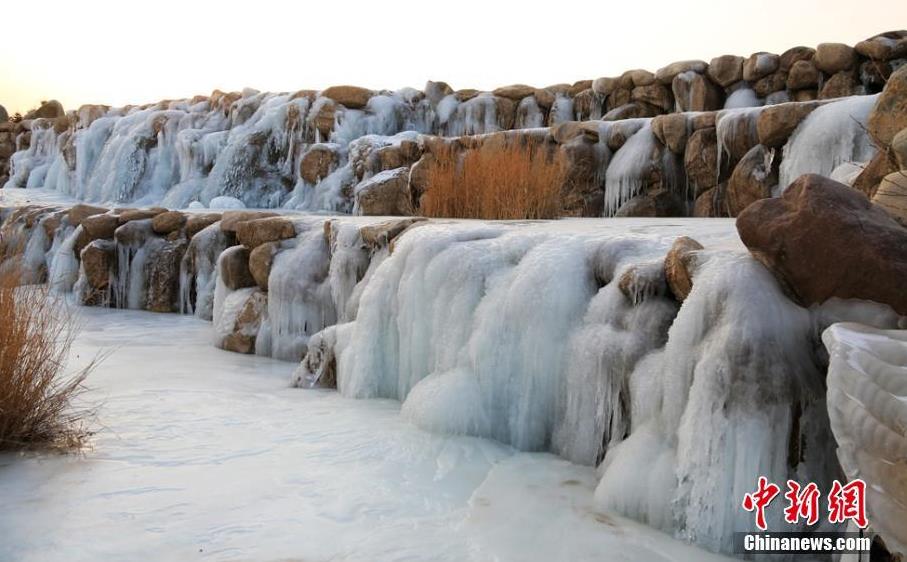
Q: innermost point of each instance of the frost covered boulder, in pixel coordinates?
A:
(775, 124)
(254, 233)
(99, 227)
(260, 261)
(386, 193)
(753, 178)
(834, 57)
(233, 268)
(98, 263)
(352, 97)
(166, 223)
(319, 161)
(231, 220)
(82, 211)
(197, 223)
(889, 116)
(48, 109)
(162, 272)
(679, 266)
(380, 235)
(822, 239)
(237, 324)
(726, 70)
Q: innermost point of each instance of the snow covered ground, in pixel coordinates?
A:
(208, 455)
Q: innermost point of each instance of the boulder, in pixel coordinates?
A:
(805, 95)
(466, 94)
(386, 193)
(880, 166)
(640, 282)
(379, 235)
(840, 85)
(636, 77)
(544, 98)
(822, 239)
(514, 92)
(579, 86)
(230, 220)
(98, 263)
(704, 206)
(323, 115)
(899, 148)
(246, 322)
(672, 131)
(701, 159)
(437, 91)
(129, 215)
(892, 196)
(774, 82)
(884, 47)
(726, 70)
(889, 116)
(100, 227)
(680, 266)
(753, 178)
(604, 86)
(653, 203)
(197, 223)
(162, 275)
(666, 74)
(319, 161)
(48, 110)
(654, 94)
(803, 75)
(254, 233)
(794, 55)
(352, 97)
(776, 123)
(633, 110)
(233, 268)
(81, 211)
(165, 223)
(695, 92)
(260, 260)
(760, 65)
(834, 57)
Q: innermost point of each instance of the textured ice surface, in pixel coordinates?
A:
(204, 454)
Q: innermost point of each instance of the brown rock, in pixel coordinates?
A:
(162, 274)
(319, 161)
(794, 55)
(884, 47)
(568, 130)
(653, 203)
(704, 207)
(880, 166)
(640, 282)
(385, 194)
(166, 223)
(726, 70)
(100, 227)
(753, 179)
(604, 86)
(254, 233)
(514, 92)
(774, 82)
(889, 116)
(680, 266)
(822, 239)
(99, 262)
(81, 211)
(129, 215)
(579, 86)
(636, 77)
(695, 92)
(654, 94)
(840, 85)
(466, 94)
(899, 148)
(892, 196)
(379, 235)
(672, 130)
(352, 97)
(233, 268)
(760, 65)
(834, 57)
(618, 98)
(323, 119)
(666, 74)
(260, 260)
(197, 223)
(48, 110)
(633, 110)
(247, 323)
(805, 95)
(803, 74)
(437, 91)
(230, 220)
(544, 98)
(776, 123)
(701, 159)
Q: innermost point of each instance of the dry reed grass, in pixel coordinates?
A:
(513, 181)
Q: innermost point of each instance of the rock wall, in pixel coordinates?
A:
(314, 150)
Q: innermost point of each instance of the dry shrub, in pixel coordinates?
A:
(36, 394)
(519, 180)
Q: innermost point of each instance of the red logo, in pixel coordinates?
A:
(845, 502)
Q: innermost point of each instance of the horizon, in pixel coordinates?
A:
(210, 53)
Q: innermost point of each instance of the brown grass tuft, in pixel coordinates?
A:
(513, 181)
(36, 395)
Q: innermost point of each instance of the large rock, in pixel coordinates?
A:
(776, 123)
(197, 223)
(803, 75)
(98, 227)
(885, 46)
(386, 193)
(319, 161)
(162, 274)
(892, 196)
(695, 92)
(352, 97)
(605, 85)
(701, 159)
(246, 321)
(679, 266)
(840, 85)
(760, 65)
(666, 74)
(380, 234)
(672, 130)
(899, 148)
(822, 239)
(753, 178)
(880, 166)
(48, 110)
(794, 55)
(254, 233)
(260, 261)
(514, 92)
(834, 57)
(726, 70)
(654, 94)
(889, 116)
(653, 203)
(231, 220)
(98, 263)
(233, 268)
(168, 222)
(81, 211)
(129, 215)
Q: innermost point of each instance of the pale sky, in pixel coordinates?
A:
(120, 52)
